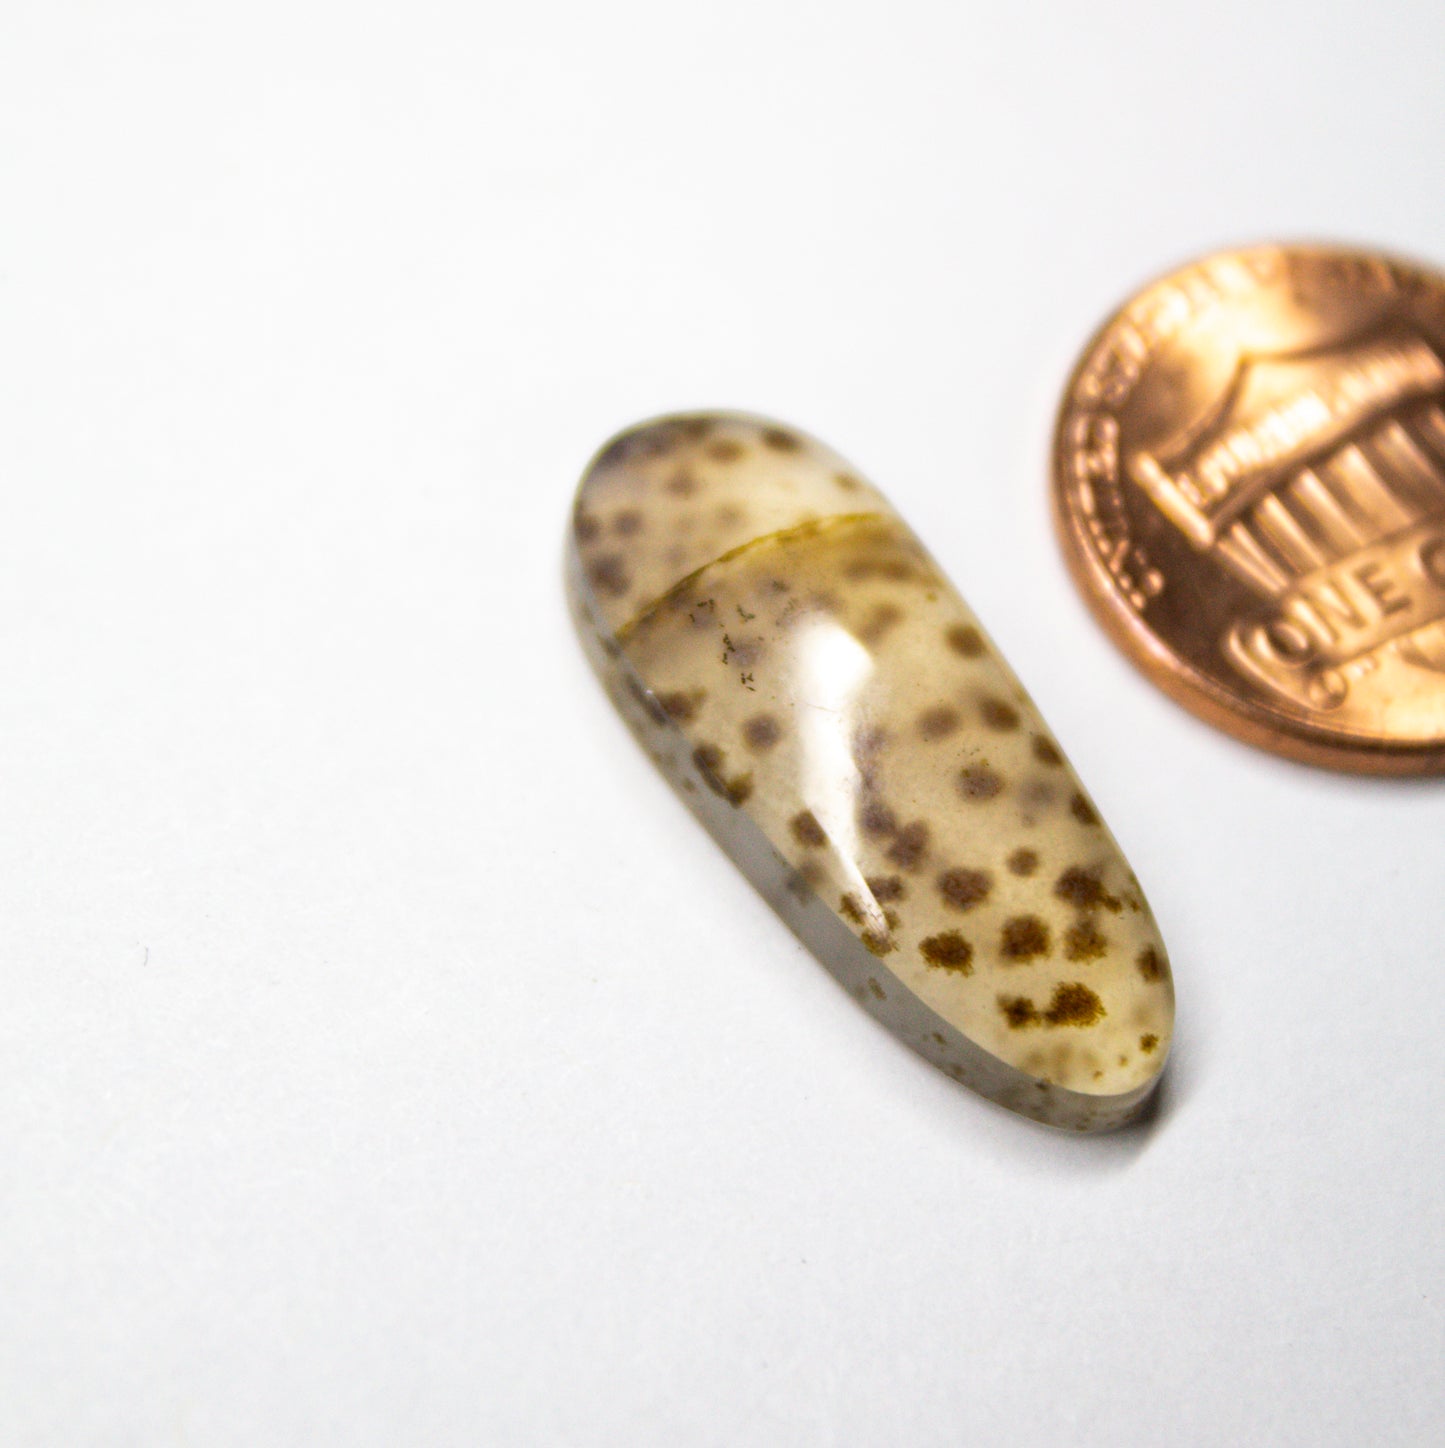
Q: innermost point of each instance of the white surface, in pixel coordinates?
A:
(385, 1055)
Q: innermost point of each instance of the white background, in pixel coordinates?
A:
(386, 1057)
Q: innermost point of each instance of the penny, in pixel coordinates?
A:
(1249, 485)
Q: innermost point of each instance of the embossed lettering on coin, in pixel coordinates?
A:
(1249, 481)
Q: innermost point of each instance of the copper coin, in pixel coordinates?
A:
(1249, 482)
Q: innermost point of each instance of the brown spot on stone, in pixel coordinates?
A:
(807, 831)
(1023, 862)
(1018, 1011)
(761, 732)
(678, 705)
(878, 623)
(627, 523)
(1082, 810)
(587, 527)
(694, 429)
(609, 576)
(1085, 941)
(809, 876)
(847, 482)
(780, 440)
(724, 450)
(740, 788)
(999, 715)
(1046, 751)
(978, 781)
(877, 942)
(729, 516)
(909, 845)
(966, 640)
(657, 441)
(886, 887)
(1074, 1004)
(1148, 1043)
(948, 951)
(877, 990)
(1037, 794)
(850, 909)
(1025, 937)
(709, 761)
(821, 601)
(1085, 891)
(1150, 963)
(877, 819)
(682, 484)
(963, 889)
(938, 722)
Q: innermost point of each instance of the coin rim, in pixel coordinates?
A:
(1254, 723)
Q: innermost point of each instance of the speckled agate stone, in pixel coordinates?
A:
(800, 669)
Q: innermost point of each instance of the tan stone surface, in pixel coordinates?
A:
(789, 647)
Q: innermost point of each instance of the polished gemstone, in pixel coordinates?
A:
(833, 711)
